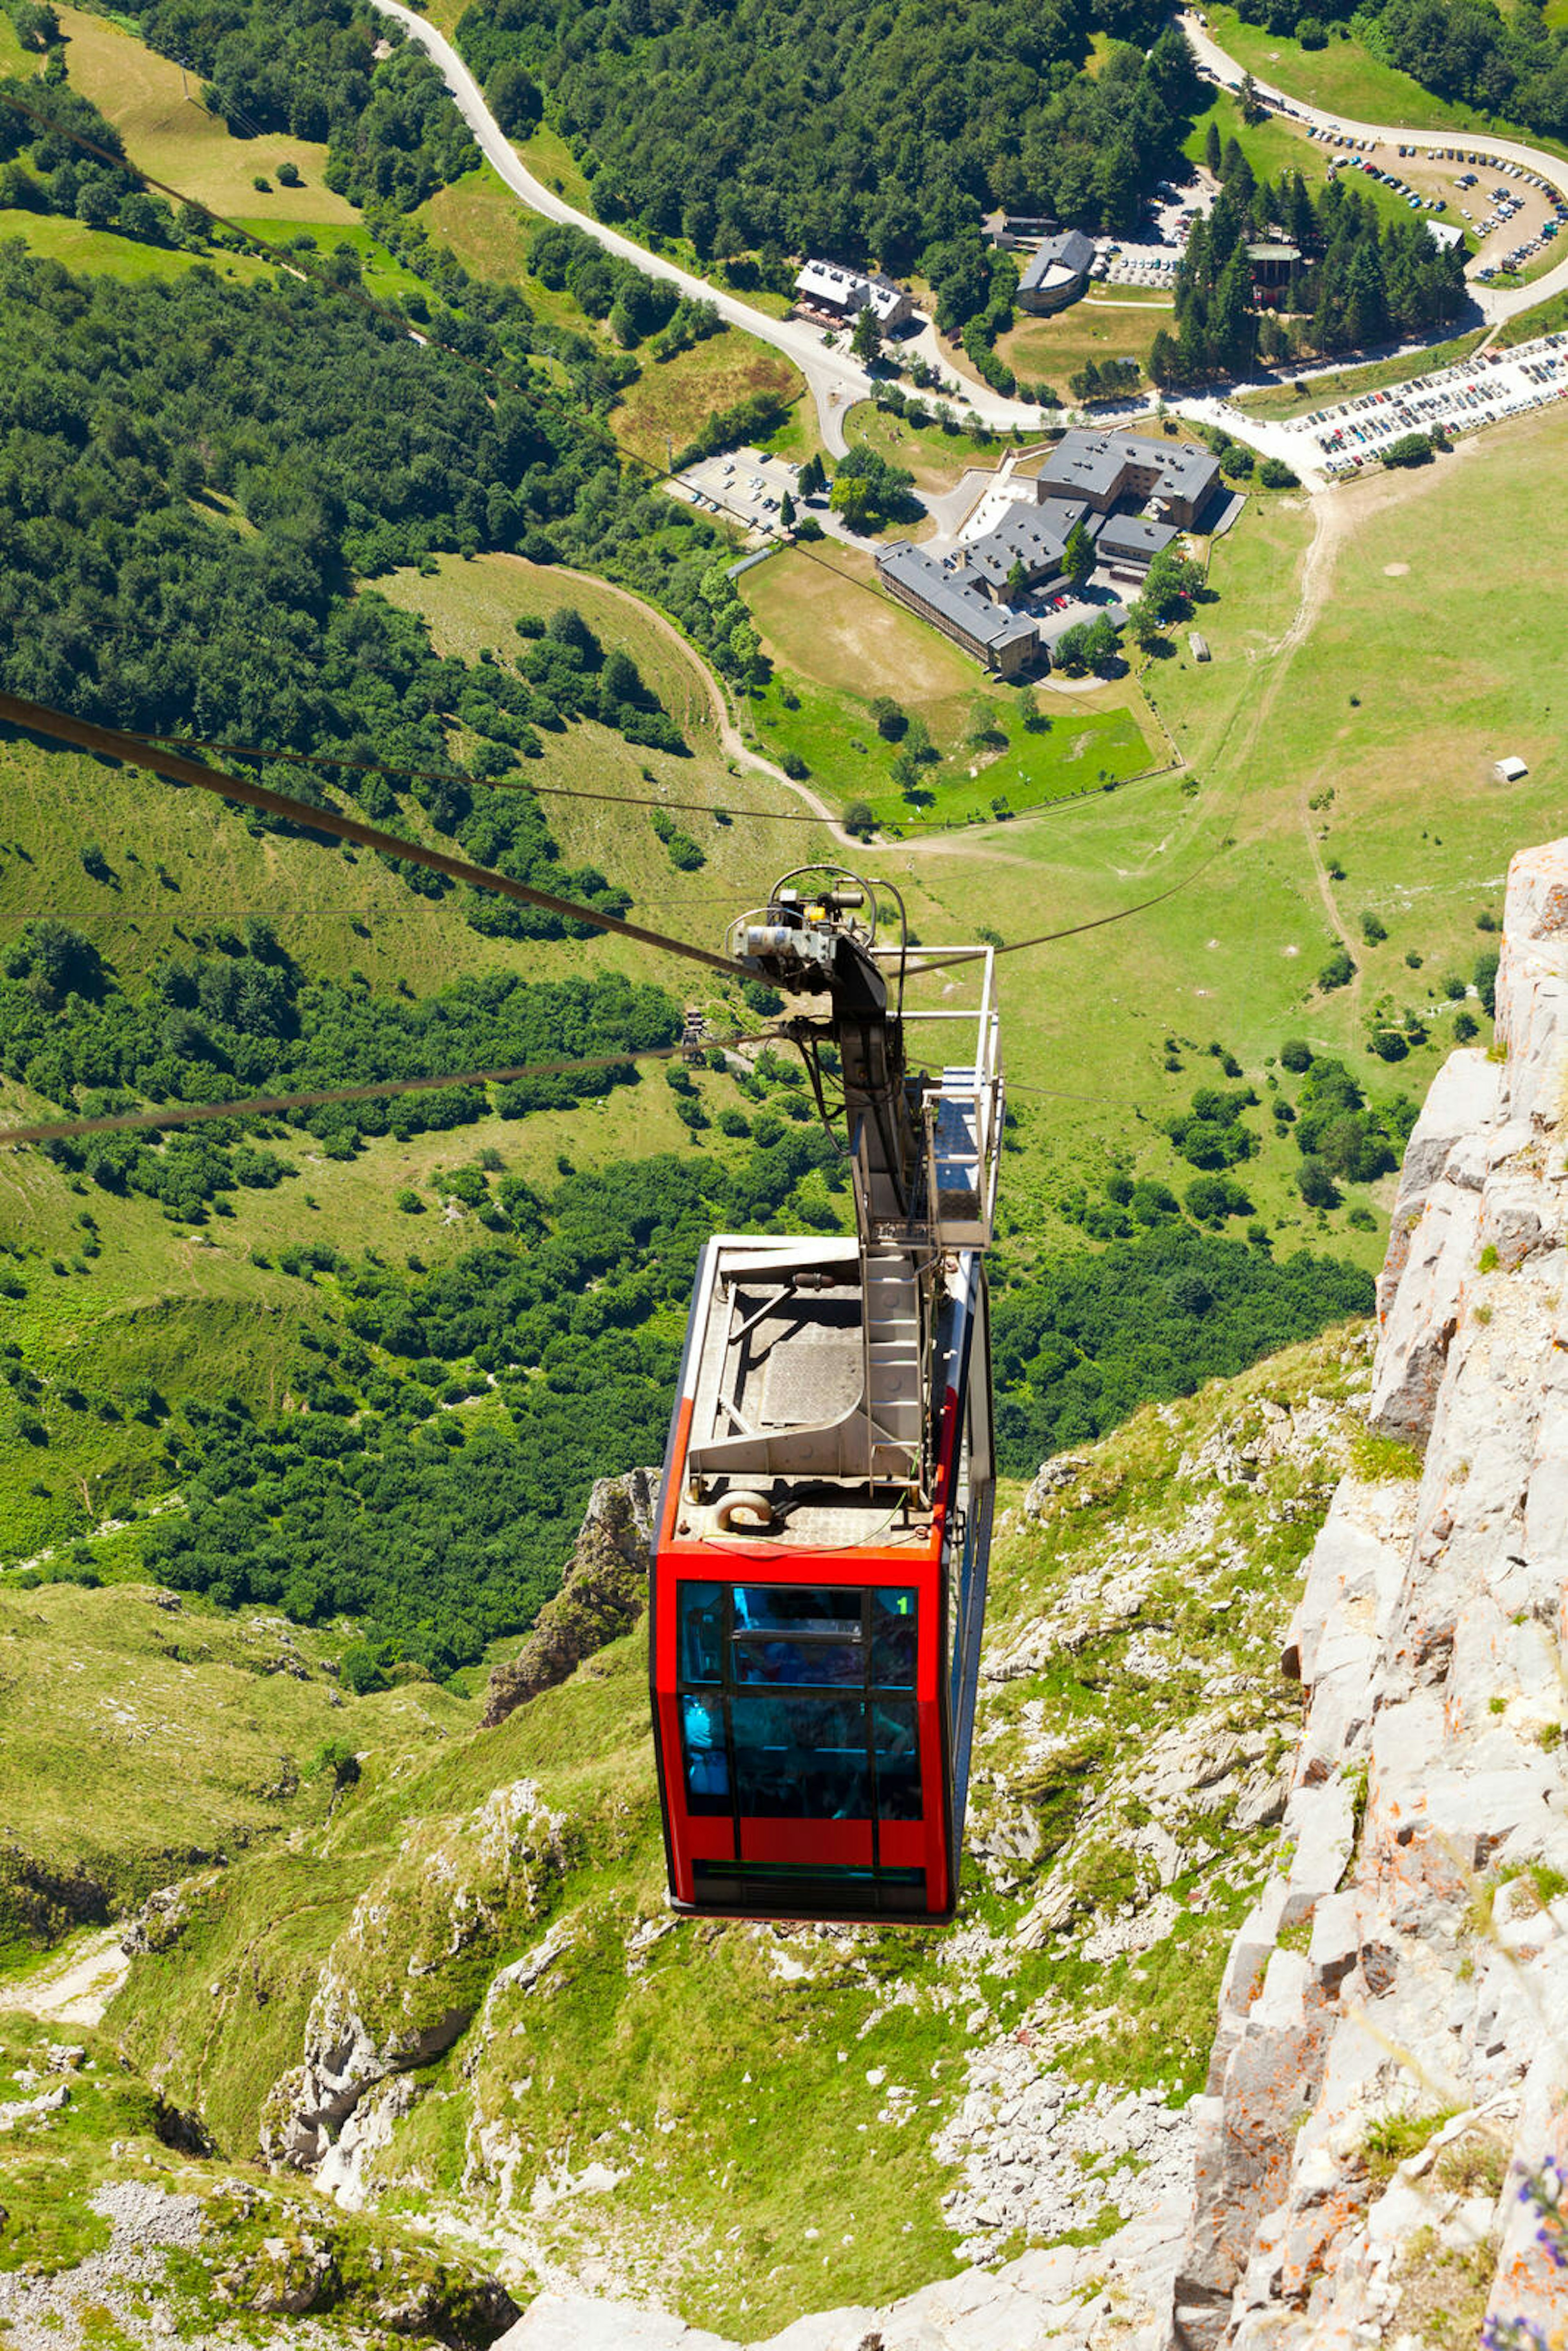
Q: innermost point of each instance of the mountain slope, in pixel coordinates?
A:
(464, 1997)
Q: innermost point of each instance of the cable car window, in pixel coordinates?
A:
(827, 1664)
(892, 1640)
(800, 1758)
(706, 1762)
(799, 1608)
(702, 1632)
(898, 1760)
(819, 1687)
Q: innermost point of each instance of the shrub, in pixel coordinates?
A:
(289, 176)
(860, 821)
(1337, 971)
(1373, 928)
(409, 1201)
(1296, 1054)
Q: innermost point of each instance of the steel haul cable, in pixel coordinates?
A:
(449, 775)
(317, 1098)
(109, 743)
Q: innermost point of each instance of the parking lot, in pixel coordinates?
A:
(744, 484)
(1513, 215)
(1477, 392)
(1152, 259)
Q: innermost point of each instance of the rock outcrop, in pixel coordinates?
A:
(602, 1594)
(1390, 2065)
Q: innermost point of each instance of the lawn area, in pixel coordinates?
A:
(549, 159)
(480, 220)
(837, 641)
(1341, 79)
(107, 255)
(382, 273)
(169, 134)
(1099, 327)
(935, 458)
(13, 59)
(671, 401)
(1283, 401)
(1391, 701)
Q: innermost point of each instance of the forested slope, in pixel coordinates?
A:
(785, 129)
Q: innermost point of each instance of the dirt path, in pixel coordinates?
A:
(77, 1986)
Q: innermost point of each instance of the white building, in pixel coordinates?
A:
(843, 294)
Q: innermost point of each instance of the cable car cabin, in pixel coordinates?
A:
(818, 1579)
(815, 1637)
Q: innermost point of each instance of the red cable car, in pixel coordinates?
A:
(824, 1521)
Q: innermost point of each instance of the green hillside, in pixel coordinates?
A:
(503, 1893)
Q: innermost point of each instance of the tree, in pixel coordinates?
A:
(858, 820)
(1337, 971)
(514, 100)
(38, 27)
(1144, 624)
(1102, 644)
(1070, 650)
(786, 512)
(891, 722)
(1295, 1054)
(96, 205)
(1252, 107)
(1016, 580)
(1078, 555)
(1316, 1184)
(1211, 146)
(289, 175)
(866, 341)
(813, 476)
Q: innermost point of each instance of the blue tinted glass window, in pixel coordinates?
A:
(799, 1608)
(822, 1665)
(702, 1741)
(892, 1622)
(897, 1759)
(800, 1758)
(701, 1632)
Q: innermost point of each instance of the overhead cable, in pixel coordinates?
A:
(109, 743)
(268, 1105)
(450, 776)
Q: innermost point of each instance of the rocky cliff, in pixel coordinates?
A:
(1379, 2151)
(1391, 2068)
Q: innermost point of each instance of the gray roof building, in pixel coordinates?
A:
(1132, 541)
(1058, 272)
(954, 599)
(1033, 536)
(1104, 468)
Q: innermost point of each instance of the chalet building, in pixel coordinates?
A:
(839, 295)
(1057, 274)
(951, 596)
(1273, 261)
(1109, 469)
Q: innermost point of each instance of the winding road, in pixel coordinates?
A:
(835, 378)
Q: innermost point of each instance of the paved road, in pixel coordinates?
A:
(836, 379)
(1495, 304)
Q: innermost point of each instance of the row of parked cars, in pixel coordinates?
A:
(1417, 203)
(1505, 383)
